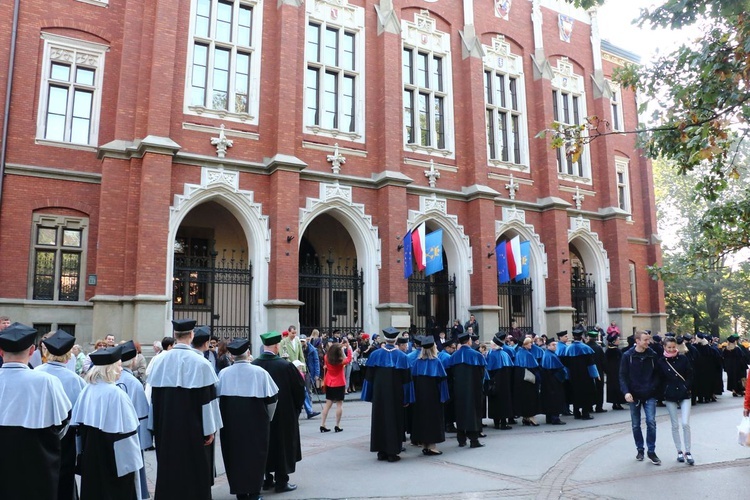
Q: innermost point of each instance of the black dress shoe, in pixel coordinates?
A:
(431, 453)
(461, 444)
(600, 410)
(505, 427)
(512, 421)
(482, 435)
(285, 488)
(268, 486)
(557, 422)
(476, 444)
(451, 428)
(382, 456)
(586, 416)
(393, 458)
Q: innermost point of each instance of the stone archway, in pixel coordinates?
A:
(222, 187)
(595, 261)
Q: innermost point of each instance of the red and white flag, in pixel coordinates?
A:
(515, 244)
(418, 246)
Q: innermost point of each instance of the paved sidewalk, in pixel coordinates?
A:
(582, 460)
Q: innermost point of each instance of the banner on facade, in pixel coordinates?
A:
(513, 260)
(502, 8)
(425, 250)
(434, 245)
(408, 256)
(418, 246)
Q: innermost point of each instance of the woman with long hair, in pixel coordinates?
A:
(222, 356)
(677, 373)
(335, 381)
(526, 384)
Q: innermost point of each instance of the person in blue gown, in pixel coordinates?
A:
(430, 393)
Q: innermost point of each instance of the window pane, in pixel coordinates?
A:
(79, 130)
(242, 83)
(422, 78)
(82, 103)
(85, 76)
(72, 238)
(500, 90)
(202, 17)
(244, 25)
(513, 94)
(58, 100)
(348, 62)
(502, 125)
(437, 81)
(516, 137)
(330, 101)
(331, 47)
(347, 104)
(198, 80)
(313, 44)
(439, 123)
(69, 275)
(55, 128)
(406, 63)
(60, 72)
(488, 87)
(424, 120)
(566, 108)
(555, 112)
(576, 118)
(44, 275)
(490, 135)
(409, 116)
(223, 22)
(46, 236)
(221, 79)
(311, 97)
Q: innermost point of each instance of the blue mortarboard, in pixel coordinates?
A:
(390, 333)
(128, 351)
(106, 356)
(238, 346)
(17, 338)
(59, 343)
(183, 325)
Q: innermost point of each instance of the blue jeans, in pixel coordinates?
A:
(649, 409)
(308, 403)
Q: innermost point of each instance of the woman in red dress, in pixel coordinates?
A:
(335, 381)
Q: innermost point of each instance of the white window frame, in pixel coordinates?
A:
(615, 107)
(98, 3)
(343, 17)
(622, 181)
(499, 60)
(422, 36)
(75, 53)
(59, 223)
(633, 286)
(566, 83)
(254, 49)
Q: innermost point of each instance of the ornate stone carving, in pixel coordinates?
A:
(336, 159)
(432, 174)
(221, 143)
(512, 187)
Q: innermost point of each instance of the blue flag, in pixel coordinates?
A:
(525, 260)
(503, 276)
(408, 264)
(434, 249)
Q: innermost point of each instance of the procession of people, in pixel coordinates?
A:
(422, 388)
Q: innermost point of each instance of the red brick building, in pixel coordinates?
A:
(256, 164)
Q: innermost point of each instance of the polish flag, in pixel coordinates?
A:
(515, 244)
(511, 260)
(418, 246)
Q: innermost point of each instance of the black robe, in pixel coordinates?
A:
(388, 386)
(430, 392)
(285, 450)
(247, 394)
(177, 422)
(99, 480)
(735, 364)
(579, 360)
(34, 463)
(552, 392)
(467, 368)
(702, 382)
(600, 361)
(499, 398)
(614, 394)
(525, 394)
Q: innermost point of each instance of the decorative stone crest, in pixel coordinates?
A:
(578, 198)
(512, 187)
(432, 174)
(221, 143)
(336, 159)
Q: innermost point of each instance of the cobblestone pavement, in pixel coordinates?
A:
(592, 459)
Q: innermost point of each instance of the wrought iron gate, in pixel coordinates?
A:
(432, 296)
(332, 296)
(583, 297)
(215, 292)
(515, 300)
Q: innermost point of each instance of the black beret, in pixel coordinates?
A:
(390, 333)
(59, 343)
(17, 338)
(128, 351)
(183, 325)
(106, 356)
(238, 346)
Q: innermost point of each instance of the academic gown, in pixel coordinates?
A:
(525, 394)
(247, 399)
(500, 370)
(600, 361)
(702, 384)
(552, 390)
(285, 450)
(614, 394)
(388, 387)
(33, 414)
(72, 385)
(735, 365)
(467, 367)
(184, 410)
(448, 414)
(579, 360)
(110, 454)
(134, 389)
(430, 393)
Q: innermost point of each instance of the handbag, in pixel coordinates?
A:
(528, 376)
(743, 432)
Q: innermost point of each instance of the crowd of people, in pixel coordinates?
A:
(94, 415)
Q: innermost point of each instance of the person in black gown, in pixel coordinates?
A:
(430, 393)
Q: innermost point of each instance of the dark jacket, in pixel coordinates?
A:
(639, 374)
(674, 387)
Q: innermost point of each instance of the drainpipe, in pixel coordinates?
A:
(8, 89)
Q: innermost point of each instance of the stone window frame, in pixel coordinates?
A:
(59, 223)
(254, 50)
(566, 82)
(622, 180)
(63, 50)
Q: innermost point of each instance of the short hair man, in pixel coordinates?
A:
(639, 381)
(33, 416)
(110, 339)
